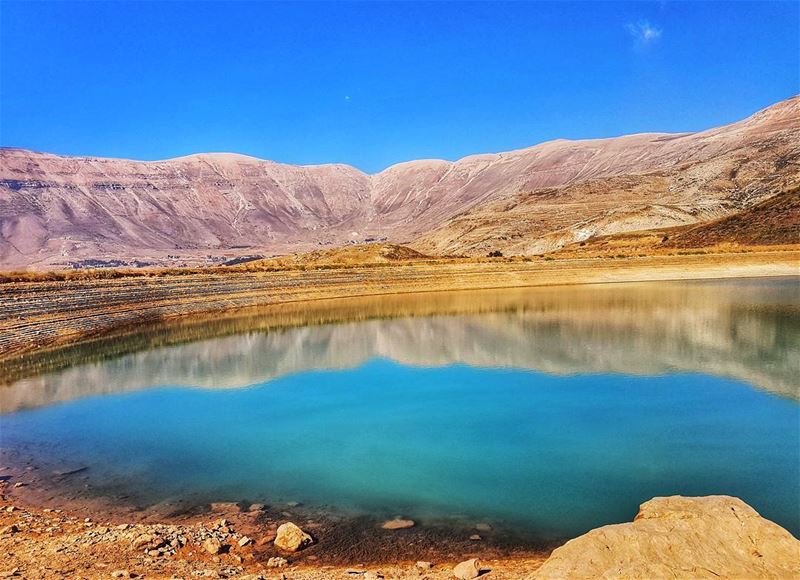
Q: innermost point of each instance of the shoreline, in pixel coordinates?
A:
(672, 536)
(44, 316)
(46, 538)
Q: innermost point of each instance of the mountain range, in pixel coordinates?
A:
(58, 211)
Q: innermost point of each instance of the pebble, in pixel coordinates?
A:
(243, 541)
(276, 562)
(475, 538)
(423, 565)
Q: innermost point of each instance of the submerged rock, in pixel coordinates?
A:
(225, 507)
(468, 569)
(398, 524)
(681, 537)
(291, 538)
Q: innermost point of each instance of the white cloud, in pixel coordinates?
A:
(644, 33)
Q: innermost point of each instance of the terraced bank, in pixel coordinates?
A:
(38, 316)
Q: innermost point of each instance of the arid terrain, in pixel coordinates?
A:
(58, 212)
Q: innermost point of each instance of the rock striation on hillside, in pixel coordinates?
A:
(58, 210)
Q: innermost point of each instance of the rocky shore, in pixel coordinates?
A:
(672, 537)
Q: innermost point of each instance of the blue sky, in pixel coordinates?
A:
(378, 83)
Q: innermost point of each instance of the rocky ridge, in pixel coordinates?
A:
(63, 210)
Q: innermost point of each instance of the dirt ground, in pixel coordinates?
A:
(65, 543)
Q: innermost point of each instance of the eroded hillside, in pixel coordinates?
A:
(59, 211)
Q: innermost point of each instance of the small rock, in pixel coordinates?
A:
(294, 504)
(372, 575)
(468, 569)
(10, 573)
(244, 540)
(256, 507)
(483, 527)
(423, 565)
(212, 545)
(13, 508)
(276, 562)
(291, 538)
(142, 540)
(9, 530)
(19, 484)
(398, 524)
(475, 538)
(120, 574)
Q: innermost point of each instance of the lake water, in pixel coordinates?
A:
(545, 412)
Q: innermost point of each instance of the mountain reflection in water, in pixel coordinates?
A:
(747, 330)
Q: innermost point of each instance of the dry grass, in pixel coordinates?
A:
(368, 256)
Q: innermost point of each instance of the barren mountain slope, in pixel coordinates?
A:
(774, 221)
(87, 207)
(751, 161)
(55, 210)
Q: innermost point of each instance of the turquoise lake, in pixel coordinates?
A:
(543, 412)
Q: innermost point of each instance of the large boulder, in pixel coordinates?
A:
(291, 538)
(681, 537)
